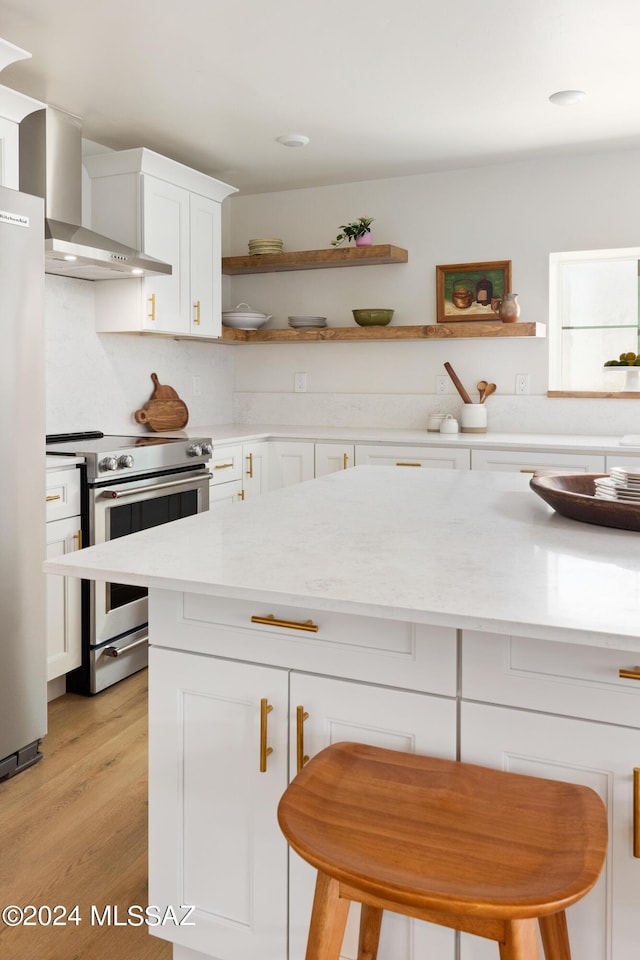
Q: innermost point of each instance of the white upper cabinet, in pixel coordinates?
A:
(169, 212)
(14, 107)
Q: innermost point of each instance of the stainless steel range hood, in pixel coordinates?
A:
(51, 167)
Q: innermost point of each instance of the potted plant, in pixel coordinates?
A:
(359, 231)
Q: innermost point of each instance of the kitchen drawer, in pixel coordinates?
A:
(560, 678)
(63, 493)
(530, 462)
(383, 455)
(226, 463)
(389, 652)
(220, 493)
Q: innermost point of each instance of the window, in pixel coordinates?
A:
(593, 317)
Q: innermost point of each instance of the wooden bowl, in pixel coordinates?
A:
(573, 495)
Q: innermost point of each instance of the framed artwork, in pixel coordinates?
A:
(465, 291)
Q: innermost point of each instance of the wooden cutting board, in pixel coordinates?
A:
(165, 410)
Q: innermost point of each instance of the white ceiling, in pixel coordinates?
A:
(382, 87)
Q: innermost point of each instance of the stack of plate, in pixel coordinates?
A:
(265, 245)
(621, 485)
(300, 323)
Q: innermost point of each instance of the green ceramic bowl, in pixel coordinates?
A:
(372, 318)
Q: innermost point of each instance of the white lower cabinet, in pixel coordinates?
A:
(63, 593)
(529, 462)
(255, 466)
(214, 838)
(291, 461)
(385, 455)
(239, 472)
(604, 925)
(332, 457)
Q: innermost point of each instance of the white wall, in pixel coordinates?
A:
(519, 212)
(97, 381)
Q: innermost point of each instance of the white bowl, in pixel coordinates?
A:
(244, 319)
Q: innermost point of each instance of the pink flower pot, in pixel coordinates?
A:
(364, 240)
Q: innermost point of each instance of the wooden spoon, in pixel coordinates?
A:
(491, 388)
(481, 387)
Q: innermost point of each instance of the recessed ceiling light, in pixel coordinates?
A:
(293, 140)
(567, 98)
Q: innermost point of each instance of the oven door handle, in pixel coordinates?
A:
(121, 494)
(118, 651)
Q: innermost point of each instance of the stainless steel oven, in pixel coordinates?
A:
(131, 484)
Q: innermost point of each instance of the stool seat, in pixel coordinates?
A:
(442, 839)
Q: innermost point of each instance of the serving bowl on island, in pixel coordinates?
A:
(372, 317)
(573, 496)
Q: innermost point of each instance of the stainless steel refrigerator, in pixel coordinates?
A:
(23, 683)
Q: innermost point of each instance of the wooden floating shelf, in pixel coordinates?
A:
(315, 259)
(435, 331)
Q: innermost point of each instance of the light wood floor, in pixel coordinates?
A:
(73, 829)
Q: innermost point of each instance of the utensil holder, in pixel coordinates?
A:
(473, 418)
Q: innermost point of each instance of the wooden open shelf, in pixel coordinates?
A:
(435, 331)
(315, 259)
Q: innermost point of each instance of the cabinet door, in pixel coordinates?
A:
(214, 839)
(63, 602)
(206, 267)
(165, 235)
(602, 926)
(530, 462)
(220, 493)
(331, 457)
(291, 461)
(255, 478)
(399, 720)
(383, 455)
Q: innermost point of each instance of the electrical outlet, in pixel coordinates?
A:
(299, 383)
(442, 384)
(195, 386)
(522, 384)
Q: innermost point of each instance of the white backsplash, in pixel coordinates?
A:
(98, 380)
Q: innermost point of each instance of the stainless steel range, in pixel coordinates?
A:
(130, 484)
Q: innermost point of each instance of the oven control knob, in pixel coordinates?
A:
(126, 460)
(207, 449)
(195, 450)
(109, 463)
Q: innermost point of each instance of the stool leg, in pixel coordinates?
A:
(555, 936)
(521, 942)
(328, 920)
(370, 923)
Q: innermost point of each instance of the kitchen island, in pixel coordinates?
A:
(448, 612)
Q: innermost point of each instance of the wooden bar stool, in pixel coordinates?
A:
(479, 850)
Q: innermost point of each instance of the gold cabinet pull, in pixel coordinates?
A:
(78, 536)
(345, 460)
(152, 313)
(249, 457)
(631, 673)
(636, 811)
(54, 496)
(241, 494)
(196, 307)
(399, 463)
(272, 621)
(222, 466)
(301, 757)
(265, 751)
(527, 470)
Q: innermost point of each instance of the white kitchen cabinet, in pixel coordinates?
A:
(529, 462)
(386, 455)
(331, 457)
(239, 472)
(14, 107)
(291, 461)
(213, 826)
(563, 711)
(627, 462)
(171, 213)
(602, 756)
(63, 593)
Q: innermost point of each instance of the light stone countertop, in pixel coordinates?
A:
(475, 550)
(567, 443)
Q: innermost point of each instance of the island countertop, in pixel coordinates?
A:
(453, 548)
